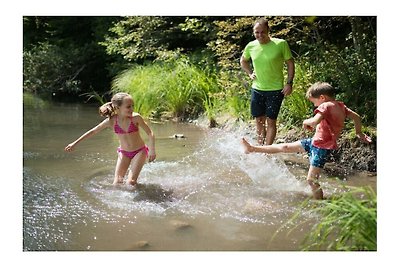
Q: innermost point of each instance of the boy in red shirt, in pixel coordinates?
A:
(329, 121)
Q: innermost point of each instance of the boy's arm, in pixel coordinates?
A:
(357, 125)
(104, 124)
(309, 124)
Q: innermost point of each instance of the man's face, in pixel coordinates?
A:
(261, 33)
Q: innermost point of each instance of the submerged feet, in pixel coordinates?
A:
(131, 182)
(121, 182)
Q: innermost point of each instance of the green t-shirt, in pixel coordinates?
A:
(268, 60)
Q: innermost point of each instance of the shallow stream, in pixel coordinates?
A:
(202, 192)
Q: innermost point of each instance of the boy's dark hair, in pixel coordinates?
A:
(320, 88)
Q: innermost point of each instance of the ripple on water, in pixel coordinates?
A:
(218, 180)
(52, 207)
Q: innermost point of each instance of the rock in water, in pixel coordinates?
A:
(142, 244)
(178, 136)
(180, 225)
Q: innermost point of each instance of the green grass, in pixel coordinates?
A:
(178, 87)
(346, 222)
(181, 88)
(296, 107)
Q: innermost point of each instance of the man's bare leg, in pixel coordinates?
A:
(270, 131)
(261, 129)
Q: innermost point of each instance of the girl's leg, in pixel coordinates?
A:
(136, 166)
(312, 179)
(275, 148)
(121, 168)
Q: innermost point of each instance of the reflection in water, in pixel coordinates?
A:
(202, 193)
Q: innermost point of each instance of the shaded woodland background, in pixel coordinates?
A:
(188, 66)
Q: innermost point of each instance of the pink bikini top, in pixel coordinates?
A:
(131, 129)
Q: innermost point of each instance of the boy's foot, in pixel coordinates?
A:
(247, 147)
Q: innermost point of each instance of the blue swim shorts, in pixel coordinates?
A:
(266, 103)
(318, 156)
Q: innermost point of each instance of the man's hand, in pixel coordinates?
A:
(252, 76)
(287, 90)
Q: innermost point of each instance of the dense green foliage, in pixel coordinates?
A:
(62, 57)
(45, 69)
(81, 55)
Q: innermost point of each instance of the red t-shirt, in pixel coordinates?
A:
(328, 130)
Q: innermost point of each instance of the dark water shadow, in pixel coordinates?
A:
(152, 193)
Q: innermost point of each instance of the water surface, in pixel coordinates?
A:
(202, 192)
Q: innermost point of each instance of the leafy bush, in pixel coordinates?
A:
(197, 58)
(48, 68)
(352, 74)
(296, 107)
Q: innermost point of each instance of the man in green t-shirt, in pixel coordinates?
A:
(263, 60)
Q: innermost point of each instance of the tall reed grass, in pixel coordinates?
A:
(346, 222)
(179, 87)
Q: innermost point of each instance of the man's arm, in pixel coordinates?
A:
(288, 88)
(246, 66)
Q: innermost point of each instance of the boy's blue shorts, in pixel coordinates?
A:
(318, 156)
(266, 103)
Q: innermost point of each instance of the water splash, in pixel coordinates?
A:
(218, 180)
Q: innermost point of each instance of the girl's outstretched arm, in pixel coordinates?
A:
(102, 125)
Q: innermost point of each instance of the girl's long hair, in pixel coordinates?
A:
(109, 108)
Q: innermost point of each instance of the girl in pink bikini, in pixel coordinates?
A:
(132, 152)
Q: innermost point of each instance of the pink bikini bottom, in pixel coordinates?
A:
(132, 154)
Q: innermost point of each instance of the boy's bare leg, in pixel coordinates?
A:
(312, 179)
(247, 147)
(275, 148)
